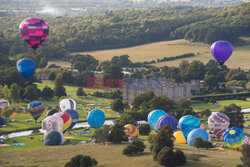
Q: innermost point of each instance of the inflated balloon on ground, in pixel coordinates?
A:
(179, 138)
(2, 121)
(26, 67)
(65, 104)
(234, 137)
(131, 130)
(74, 117)
(3, 102)
(188, 123)
(53, 138)
(153, 118)
(195, 133)
(167, 120)
(36, 109)
(52, 112)
(96, 118)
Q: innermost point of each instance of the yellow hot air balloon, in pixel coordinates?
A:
(179, 138)
(131, 130)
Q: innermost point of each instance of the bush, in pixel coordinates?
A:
(101, 135)
(130, 150)
(144, 129)
(116, 134)
(139, 144)
(166, 157)
(180, 158)
(198, 142)
(245, 151)
(80, 92)
(81, 161)
(207, 144)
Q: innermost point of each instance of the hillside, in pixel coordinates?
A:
(153, 51)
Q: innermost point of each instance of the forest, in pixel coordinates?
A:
(125, 28)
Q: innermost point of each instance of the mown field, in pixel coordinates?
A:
(158, 50)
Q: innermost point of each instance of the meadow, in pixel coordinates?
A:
(158, 50)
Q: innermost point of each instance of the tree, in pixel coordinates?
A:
(196, 70)
(210, 81)
(180, 157)
(235, 115)
(47, 93)
(15, 92)
(114, 71)
(143, 98)
(127, 119)
(6, 92)
(248, 85)
(139, 144)
(80, 92)
(245, 151)
(81, 161)
(31, 93)
(116, 134)
(117, 105)
(59, 89)
(6, 112)
(161, 102)
(198, 142)
(144, 129)
(166, 157)
(184, 103)
(207, 144)
(101, 134)
(130, 150)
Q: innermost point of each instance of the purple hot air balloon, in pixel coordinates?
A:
(221, 50)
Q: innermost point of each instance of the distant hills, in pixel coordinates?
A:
(85, 7)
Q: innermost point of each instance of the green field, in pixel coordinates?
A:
(153, 51)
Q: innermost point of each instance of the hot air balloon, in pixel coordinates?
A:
(131, 130)
(65, 104)
(218, 122)
(234, 137)
(2, 121)
(3, 102)
(96, 118)
(36, 109)
(60, 121)
(34, 31)
(179, 138)
(53, 138)
(26, 67)
(221, 50)
(51, 112)
(195, 133)
(246, 140)
(74, 117)
(167, 120)
(154, 116)
(188, 123)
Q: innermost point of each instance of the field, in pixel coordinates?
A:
(109, 157)
(158, 50)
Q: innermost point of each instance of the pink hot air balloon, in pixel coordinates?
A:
(221, 50)
(34, 31)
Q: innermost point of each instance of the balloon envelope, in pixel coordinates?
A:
(234, 137)
(53, 138)
(52, 112)
(221, 50)
(26, 67)
(167, 120)
(188, 123)
(2, 121)
(96, 118)
(154, 116)
(74, 117)
(67, 104)
(34, 31)
(131, 130)
(218, 122)
(195, 133)
(179, 138)
(3, 102)
(246, 140)
(36, 109)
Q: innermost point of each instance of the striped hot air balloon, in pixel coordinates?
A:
(246, 141)
(36, 109)
(34, 31)
(153, 118)
(131, 130)
(65, 104)
(234, 137)
(3, 102)
(167, 120)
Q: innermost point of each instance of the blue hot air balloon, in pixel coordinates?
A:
(2, 121)
(153, 118)
(234, 137)
(96, 118)
(188, 123)
(195, 133)
(167, 120)
(26, 67)
(74, 117)
(53, 138)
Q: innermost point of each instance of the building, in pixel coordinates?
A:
(133, 87)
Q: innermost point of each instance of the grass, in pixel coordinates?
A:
(220, 105)
(158, 50)
(36, 154)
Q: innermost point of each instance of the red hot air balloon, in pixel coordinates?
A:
(34, 31)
